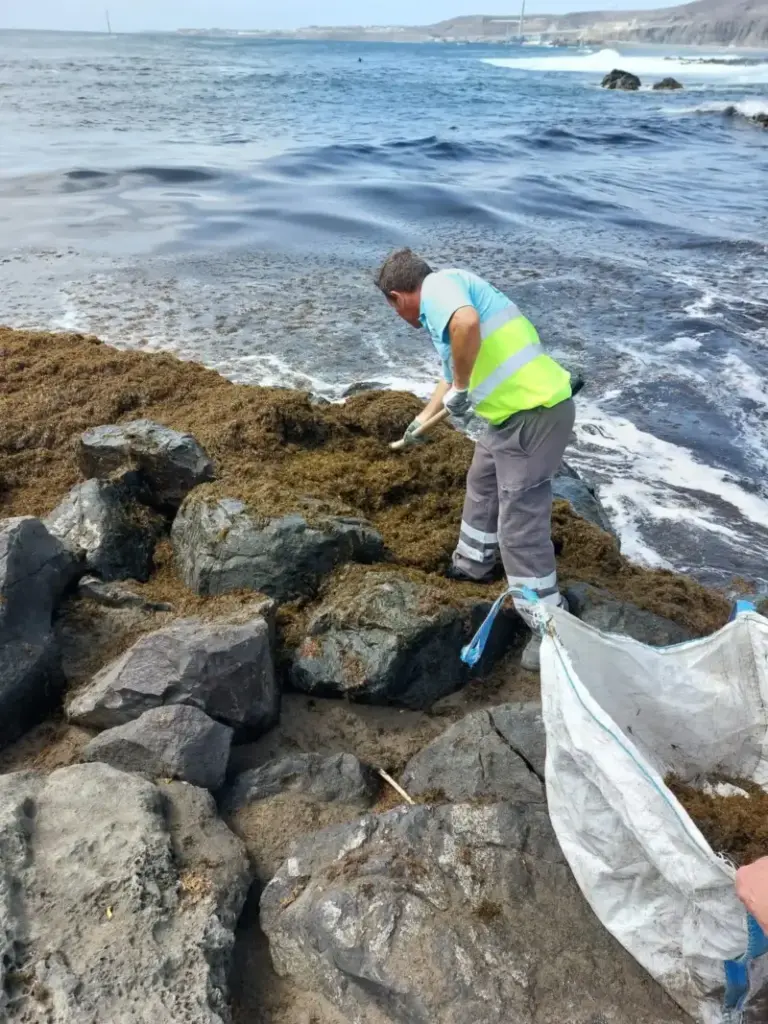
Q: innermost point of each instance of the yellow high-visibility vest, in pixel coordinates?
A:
(512, 371)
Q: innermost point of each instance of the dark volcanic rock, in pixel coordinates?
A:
(113, 595)
(361, 387)
(224, 669)
(599, 609)
(496, 754)
(271, 806)
(618, 79)
(116, 534)
(176, 742)
(384, 638)
(668, 83)
(169, 464)
(123, 902)
(454, 914)
(338, 777)
(582, 497)
(35, 570)
(221, 546)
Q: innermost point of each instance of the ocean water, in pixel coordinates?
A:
(228, 199)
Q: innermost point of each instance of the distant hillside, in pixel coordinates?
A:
(722, 22)
(726, 22)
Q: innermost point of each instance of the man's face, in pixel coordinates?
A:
(407, 305)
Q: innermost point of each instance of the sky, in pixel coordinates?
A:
(160, 15)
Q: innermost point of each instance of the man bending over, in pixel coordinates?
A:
(494, 366)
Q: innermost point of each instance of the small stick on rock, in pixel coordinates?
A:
(398, 789)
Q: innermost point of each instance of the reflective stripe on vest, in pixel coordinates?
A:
(512, 372)
(508, 367)
(510, 312)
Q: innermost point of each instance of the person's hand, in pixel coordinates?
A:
(456, 401)
(409, 437)
(752, 890)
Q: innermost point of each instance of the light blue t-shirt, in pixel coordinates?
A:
(445, 291)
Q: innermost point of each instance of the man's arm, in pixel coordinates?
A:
(464, 331)
(435, 403)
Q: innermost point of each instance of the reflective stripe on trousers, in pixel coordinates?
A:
(509, 493)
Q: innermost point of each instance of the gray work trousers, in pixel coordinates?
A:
(509, 501)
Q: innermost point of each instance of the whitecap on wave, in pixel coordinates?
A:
(606, 60)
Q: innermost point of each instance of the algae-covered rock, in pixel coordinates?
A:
(224, 669)
(176, 742)
(220, 545)
(386, 638)
(121, 900)
(102, 520)
(599, 609)
(169, 463)
(271, 806)
(35, 570)
(115, 595)
(455, 914)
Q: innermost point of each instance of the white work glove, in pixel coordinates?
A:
(457, 403)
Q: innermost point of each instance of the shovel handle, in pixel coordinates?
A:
(425, 427)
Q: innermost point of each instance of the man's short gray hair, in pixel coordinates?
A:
(402, 271)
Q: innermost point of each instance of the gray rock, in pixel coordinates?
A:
(618, 79)
(113, 595)
(35, 570)
(169, 464)
(339, 777)
(668, 83)
(496, 754)
(362, 387)
(225, 670)
(271, 806)
(118, 900)
(103, 521)
(599, 609)
(177, 742)
(581, 495)
(382, 638)
(221, 546)
(453, 914)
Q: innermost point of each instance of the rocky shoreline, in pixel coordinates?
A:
(221, 614)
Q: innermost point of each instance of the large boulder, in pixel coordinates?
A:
(101, 520)
(169, 464)
(224, 669)
(220, 546)
(668, 83)
(618, 79)
(598, 608)
(453, 914)
(271, 806)
(498, 754)
(385, 638)
(118, 900)
(581, 495)
(177, 742)
(35, 570)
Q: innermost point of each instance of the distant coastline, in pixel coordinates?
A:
(741, 24)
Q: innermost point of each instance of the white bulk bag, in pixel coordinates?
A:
(619, 717)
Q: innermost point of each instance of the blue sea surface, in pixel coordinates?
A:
(227, 199)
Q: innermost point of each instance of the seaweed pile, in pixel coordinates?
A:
(274, 448)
